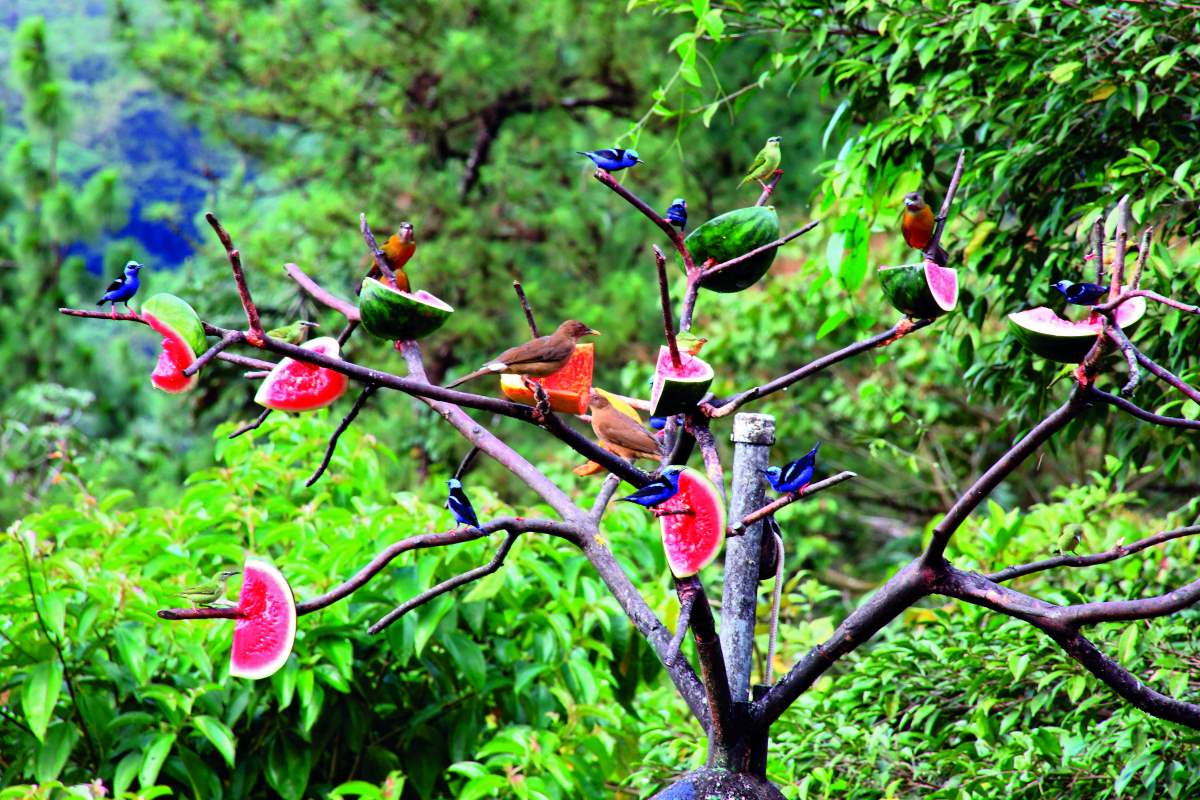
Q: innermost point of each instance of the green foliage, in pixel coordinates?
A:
(519, 684)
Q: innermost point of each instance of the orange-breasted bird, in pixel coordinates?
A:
(538, 358)
(620, 433)
(397, 250)
(917, 224)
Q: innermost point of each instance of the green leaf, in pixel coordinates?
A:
(288, 767)
(468, 657)
(832, 322)
(1127, 648)
(1065, 71)
(125, 773)
(218, 734)
(52, 755)
(39, 694)
(153, 758)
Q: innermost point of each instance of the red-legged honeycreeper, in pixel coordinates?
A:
(459, 505)
(123, 288)
(657, 491)
(677, 213)
(613, 159)
(795, 475)
(1081, 294)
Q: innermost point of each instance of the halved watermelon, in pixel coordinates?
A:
(922, 291)
(390, 313)
(733, 234)
(1050, 336)
(678, 389)
(183, 339)
(692, 540)
(567, 389)
(264, 633)
(296, 386)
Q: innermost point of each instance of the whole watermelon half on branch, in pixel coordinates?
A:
(693, 524)
(183, 338)
(734, 234)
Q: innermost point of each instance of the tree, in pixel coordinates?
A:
(736, 722)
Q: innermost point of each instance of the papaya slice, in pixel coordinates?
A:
(567, 389)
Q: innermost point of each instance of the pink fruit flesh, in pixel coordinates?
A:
(175, 357)
(1045, 320)
(263, 636)
(943, 284)
(297, 386)
(689, 366)
(691, 541)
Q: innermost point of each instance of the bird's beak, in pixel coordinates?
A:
(639, 161)
(592, 332)
(308, 324)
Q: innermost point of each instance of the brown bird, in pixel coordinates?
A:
(397, 250)
(543, 356)
(619, 432)
(917, 224)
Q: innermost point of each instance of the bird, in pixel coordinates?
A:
(765, 163)
(917, 224)
(619, 432)
(538, 358)
(1069, 541)
(207, 594)
(690, 343)
(659, 490)
(795, 475)
(122, 289)
(459, 505)
(677, 213)
(397, 250)
(1081, 294)
(292, 333)
(613, 159)
(658, 423)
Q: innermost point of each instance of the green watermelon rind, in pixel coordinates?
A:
(907, 289)
(392, 314)
(176, 313)
(730, 235)
(1074, 342)
(287, 639)
(686, 571)
(677, 395)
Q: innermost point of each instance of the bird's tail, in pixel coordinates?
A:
(101, 304)
(470, 376)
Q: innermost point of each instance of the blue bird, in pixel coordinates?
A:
(1081, 294)
(612, 160)
(795, 475)
(658, 423)
(677, 213)
(459, 505)
(657, 491)
(122, 289)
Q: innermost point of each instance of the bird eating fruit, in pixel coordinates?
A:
(659, 490)
(122, 289)
(543, 356)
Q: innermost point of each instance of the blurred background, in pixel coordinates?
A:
(121, 122)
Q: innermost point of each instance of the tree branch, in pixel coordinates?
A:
(373, 246)
(666, 227)
(249, 426)
(1143, 256)
(712, 665)
(213, 351)
(1168, 376)
(533, 328)
(947, 201)
(708, 272)
(769, 188)
(786, 500)
(1117, 279)
(901, 329)
(1111, 305)
(254, 332)
(1112, 554)
(359, 402)
(1113, 331)
(322, 295)
(448, 585)
(664, 295)
(1141, 413)
(681, 626)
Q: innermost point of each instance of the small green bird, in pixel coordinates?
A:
(294, 333)
(765, 163)
(1069, 541)
(690, 343)
(207, 594)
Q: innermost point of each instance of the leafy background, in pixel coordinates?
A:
(124, 121)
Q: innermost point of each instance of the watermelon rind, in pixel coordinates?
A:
(686, 558)
(325, 345)
(907, 288)
(183, 338)
(392, 314)
(1044, 333)
(176, 313)
(271, 630)
(673, 394)
(730, 235)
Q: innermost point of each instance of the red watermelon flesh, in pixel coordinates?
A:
(264, 634)
(692, 540)
(176, 356)
(296, 386)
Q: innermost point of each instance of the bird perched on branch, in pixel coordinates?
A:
(1081, 294)
(690, 343)
(397, 250)
(619, 432)
(292, 333)
(459, 505)
(659, 490)
(795, 475)
(614, 159)
(543, 356)
(123, 288)
(677, 213)
(208, 594)
(765, 163)
(917, 223)
(1069, 541)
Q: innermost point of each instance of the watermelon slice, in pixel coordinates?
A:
(567, 389)
(1050, 336)
(922, 291)
(296, 386)
(183, 338)
(678, 389)
(264, 633)
(391, 314)
(694, 539)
